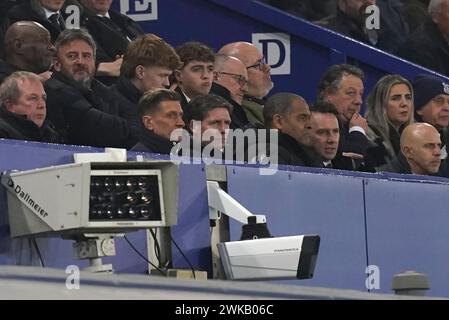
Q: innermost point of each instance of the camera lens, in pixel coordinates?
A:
(131, 183)
(146, 198)
(143, 183)
(132, 212)
(131, 197)
(108, 184)
(145, 212)
(110, 211)
(120, 184)
(121, 212)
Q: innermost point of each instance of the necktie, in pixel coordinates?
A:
(54, 20)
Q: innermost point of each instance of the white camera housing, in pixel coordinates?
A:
(56, 200)
(270, 258)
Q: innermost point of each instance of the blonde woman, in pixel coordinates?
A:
(389, 109)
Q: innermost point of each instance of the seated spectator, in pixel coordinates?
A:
(431, 98)
(428, 45)
(27, 48)
(324, 132)
(22, 109)
(259, 79)
(161, 113)
(147, 64)
(290, 115)
(111, 30)
(195, 76)
(350, 21)
(342, 85)
(420, 151)
(230, 82)
(209, 120)
(46, 12)
(389, 109)
(81, 108)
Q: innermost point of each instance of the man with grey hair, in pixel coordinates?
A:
(342, 85)
(428, 45)
(259, 79)
(23, 109)
(82, 108)
(230, 83)
(289, 114)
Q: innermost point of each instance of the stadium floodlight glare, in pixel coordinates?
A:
(92, 202)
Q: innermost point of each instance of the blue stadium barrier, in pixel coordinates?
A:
(306, 203)
(394, 222)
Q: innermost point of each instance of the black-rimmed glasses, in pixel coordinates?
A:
(259, 65)
(241, 80)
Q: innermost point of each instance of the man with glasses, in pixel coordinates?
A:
(259, 79)
(230, 82)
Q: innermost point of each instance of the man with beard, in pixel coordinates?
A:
(82, 109)
(27, 48)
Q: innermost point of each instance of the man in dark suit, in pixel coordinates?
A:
(230, 82)
(342, 85)
(46, 12)
(351, 20)
(84, 110)
(324, 131)
(428, 45)
(289, 114)
(161, 113)
(111, 30)
(22, 109)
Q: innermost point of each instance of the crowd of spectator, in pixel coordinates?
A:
(108, 84)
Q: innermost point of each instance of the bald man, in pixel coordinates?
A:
(259, 79)
(230, 83)
(420, 151)
(27, 47)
